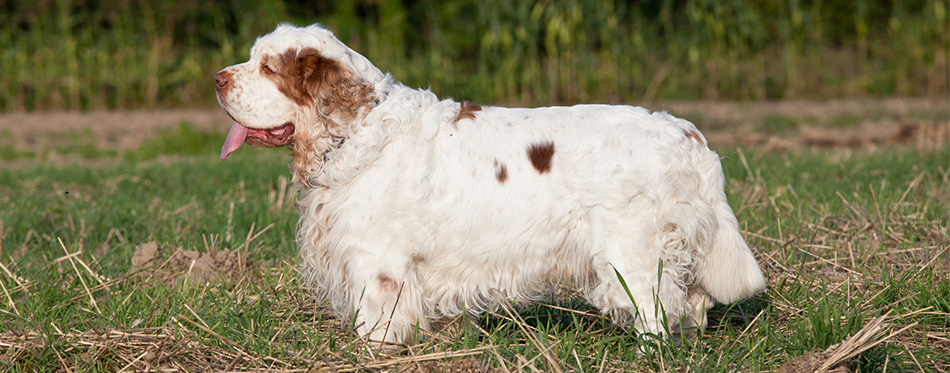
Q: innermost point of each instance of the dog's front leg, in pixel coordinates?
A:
(389, 306)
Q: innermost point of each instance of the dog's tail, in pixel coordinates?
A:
(729, 271)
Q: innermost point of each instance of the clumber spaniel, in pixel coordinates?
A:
(414, 209)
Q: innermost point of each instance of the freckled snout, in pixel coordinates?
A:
(221, 80)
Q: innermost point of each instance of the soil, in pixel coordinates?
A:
(464, 365)
(923, 123)
(116, 130)
(172, 264)
(809, 362)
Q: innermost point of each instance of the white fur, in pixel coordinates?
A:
(408, 222)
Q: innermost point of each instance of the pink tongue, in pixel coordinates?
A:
(236, 137)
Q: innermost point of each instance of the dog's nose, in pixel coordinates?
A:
(220, 80)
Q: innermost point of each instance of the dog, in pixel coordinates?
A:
(415, 209)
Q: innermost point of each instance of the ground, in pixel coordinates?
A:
(862, 123)
(853, 238)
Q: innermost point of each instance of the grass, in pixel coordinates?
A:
(182, 140)
(82, 55)
(853, 243)
(776, 124)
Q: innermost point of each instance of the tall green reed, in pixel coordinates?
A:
(128, 54)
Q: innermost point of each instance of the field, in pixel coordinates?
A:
(133, 54)
(125, 244)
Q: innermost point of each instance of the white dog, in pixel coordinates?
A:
(415, 209)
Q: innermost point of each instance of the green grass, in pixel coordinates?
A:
(182, 140)
(844, 236)
(136, 54)
(777, 124)
(9, 151)
(845, 121)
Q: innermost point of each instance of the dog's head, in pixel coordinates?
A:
(301, 87)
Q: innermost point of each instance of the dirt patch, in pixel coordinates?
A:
(116, 130)
(810, 362)
(853, 123)
(173, 264)
(922, 123)
(464, 365)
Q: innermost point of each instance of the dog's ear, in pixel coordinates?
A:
(337, 93)
(307, 64)
(337, 96)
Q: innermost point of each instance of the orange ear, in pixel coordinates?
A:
(337, 92)
(307, 64)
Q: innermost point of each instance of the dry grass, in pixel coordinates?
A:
(131, 271)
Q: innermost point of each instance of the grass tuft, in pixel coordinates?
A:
(184, 139)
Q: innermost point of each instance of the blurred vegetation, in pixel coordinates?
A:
(184, 139)
(130, 54)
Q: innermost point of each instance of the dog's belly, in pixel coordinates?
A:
(510, 261)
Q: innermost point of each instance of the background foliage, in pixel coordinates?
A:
(144, 54)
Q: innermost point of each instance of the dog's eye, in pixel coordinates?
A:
(266, 70)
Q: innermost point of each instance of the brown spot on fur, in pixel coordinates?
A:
(223, 82)
(386, 283)
(337, 94)
(467, 111)
(501, 172)
(540, 155)
(308, 78)
(693, 134)
(311, 78)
